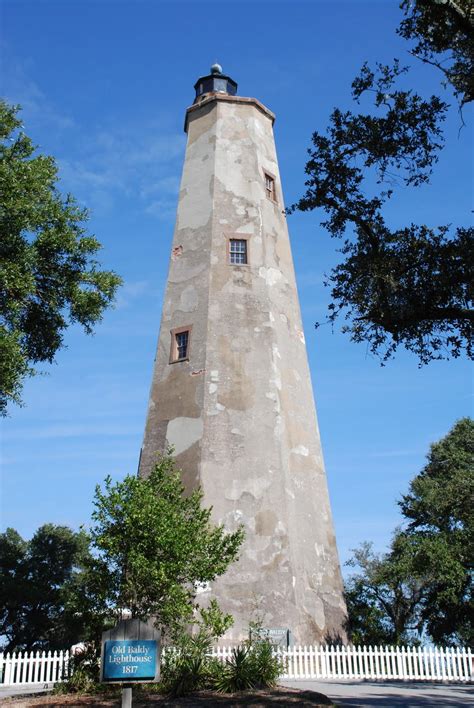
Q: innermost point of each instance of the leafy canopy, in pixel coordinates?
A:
(153, 547)
(444, 34)
(48, 275)
(423, 584)
(409, 286)
(38, 579)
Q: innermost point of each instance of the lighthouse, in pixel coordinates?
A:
(231, 388)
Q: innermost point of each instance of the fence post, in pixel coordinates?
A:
(7, 670)
(465, 665)
(371, 661)
(409, 672)
(344, 662)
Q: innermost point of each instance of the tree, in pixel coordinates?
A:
(440, 533)
(153, 546)
(424, 583)
(37, 580)
(444, 32)
(411, 286)
(48, 275)
(382, 600)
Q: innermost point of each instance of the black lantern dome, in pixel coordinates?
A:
(215, 82)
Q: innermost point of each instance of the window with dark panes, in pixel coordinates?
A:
(238, 251)
(270, 187)
(182, 339)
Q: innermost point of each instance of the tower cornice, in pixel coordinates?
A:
(225, 98)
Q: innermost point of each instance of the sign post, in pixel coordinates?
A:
(130, 654)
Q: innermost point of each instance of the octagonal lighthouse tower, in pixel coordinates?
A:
(231, 387)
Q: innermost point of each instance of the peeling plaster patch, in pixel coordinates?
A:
(270, 275)
(214, 310)
(257, 240)
(220, 407)
(223, 221)
(214, 259)
(254, 486)
(245, 229)
(238, 306)
(316, 612)
(296, 374)
(236, 431)
(294, 581)
(290, 493)
(271, 396)
(198, 372)
(300, 450)
(214, 375)
(239, 209)
(300, 335)
(257, 329)
(283, 317)
(189, 300)
(278, 430)
(212, 388)
(195, 207)
(275, 351)
(181, 433)
(176, 252)
(320, 550)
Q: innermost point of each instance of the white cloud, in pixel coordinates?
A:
(20, 89)
(102, 162)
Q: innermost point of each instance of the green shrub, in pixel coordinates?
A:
(184, 669)
(252, 665)
(266, 665)
(83, 673)
(237, 674)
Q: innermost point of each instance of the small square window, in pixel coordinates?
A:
(238, 251)
(270, 187)
(179, 344)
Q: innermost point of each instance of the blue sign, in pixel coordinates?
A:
(129, 660)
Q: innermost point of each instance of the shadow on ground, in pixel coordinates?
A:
(282, 696)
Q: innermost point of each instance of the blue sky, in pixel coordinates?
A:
(104, 87)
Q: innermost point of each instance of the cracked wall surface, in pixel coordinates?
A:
(240, 412)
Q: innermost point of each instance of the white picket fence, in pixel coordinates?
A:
(40, 668)
(300, 662)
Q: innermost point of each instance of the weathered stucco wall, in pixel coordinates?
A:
(240, 412)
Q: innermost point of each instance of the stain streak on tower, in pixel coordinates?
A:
(231, 387)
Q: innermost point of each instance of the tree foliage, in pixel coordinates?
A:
(440, 532)
(382, 602)
(49, 277)
(424, 583)
(153, 547)
(38, 579)
(410, 286)
(444, 34)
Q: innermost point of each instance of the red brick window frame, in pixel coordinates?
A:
(180, 344)
(237, 250)
(270, 186)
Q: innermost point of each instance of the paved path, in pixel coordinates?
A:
(393, 694)
(28, 690)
